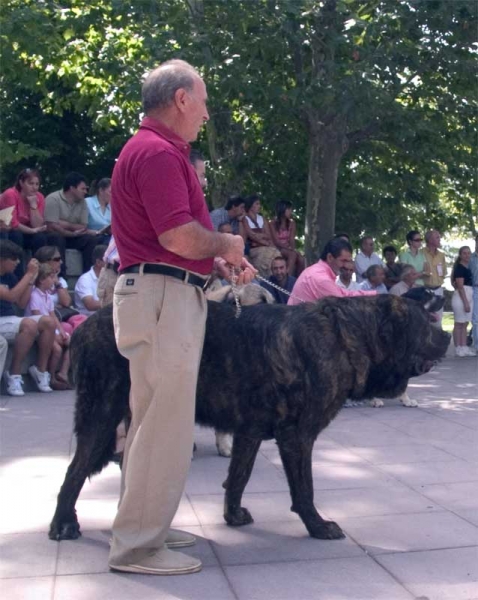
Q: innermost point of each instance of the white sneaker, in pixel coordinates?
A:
(14, 384)
(470, 351)
(42, 379)
(459, 351)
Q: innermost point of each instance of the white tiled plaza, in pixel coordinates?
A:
(401, 482)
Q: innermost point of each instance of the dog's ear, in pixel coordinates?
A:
(353, 339)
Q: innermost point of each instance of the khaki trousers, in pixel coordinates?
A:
(159, 327)
(106, 286)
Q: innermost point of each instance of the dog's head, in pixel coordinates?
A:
(426, 298)
(249, 295)
(388, 339)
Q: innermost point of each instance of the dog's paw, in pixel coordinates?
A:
(224, 444)
(326, 530)
(239, 517)
(67, 531)
(376, 403)
(407, 401)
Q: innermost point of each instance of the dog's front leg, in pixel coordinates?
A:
(296, 455)
(244, 452)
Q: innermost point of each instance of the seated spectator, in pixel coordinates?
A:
(365, 258)
(108, 274)
(225, 228)
(86, 288)
(232, 213)
(319, 280)
(199, 165)
(27, 228)
(408, 279)
(41, 303)
(283, 231)
(281, 278)
(414, 256)
(258, 236)
(69, 316)
(345, 277)
(374, 278)
(99, 209)
(462, 301)
(392, 267)
(66, 214)
(22, 332)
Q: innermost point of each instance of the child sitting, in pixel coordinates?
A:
(41, 303)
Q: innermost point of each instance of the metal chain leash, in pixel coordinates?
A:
(234, 278)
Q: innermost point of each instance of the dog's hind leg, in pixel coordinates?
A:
(296, 455)
(244, 452)
(92, 453)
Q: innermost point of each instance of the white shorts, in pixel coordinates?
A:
(457, 305)
(10, 326)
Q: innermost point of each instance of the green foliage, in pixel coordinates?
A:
(385, 85)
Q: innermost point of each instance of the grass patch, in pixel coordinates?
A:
(447, 322)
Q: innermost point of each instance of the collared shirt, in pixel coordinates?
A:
(473, 266)
(438, 269)
(86, 285)
(21, 214)
(97, 219)
(353, 285)
(57, 208)
(111, 255)
(155, 189)
(279, 296)
(219, 216)
(380, 289)
(363, 262)
(417, 261)
(318, 281)
(40, 301)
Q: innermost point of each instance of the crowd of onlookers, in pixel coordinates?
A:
(36, 305)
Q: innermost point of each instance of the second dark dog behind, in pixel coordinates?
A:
(275, 372)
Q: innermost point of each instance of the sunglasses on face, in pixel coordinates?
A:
(417, 240)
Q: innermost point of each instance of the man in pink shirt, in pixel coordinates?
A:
(318, 281)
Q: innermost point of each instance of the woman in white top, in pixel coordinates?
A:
(258, 236)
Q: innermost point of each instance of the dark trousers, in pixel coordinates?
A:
(84, 243)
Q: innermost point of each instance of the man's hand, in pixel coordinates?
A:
(79, 231)
(235, 249)
(245, 273)
(32, 268)
(39, 229)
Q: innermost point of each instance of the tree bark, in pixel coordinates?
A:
(327, 144)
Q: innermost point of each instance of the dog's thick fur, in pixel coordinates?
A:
(275, 372)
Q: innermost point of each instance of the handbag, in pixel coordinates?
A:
(65, 312)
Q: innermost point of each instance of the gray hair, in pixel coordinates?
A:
(163, 82)
(372, 270)
(406, 270)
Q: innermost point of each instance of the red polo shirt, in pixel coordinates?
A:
(21, 214)
(154, 189)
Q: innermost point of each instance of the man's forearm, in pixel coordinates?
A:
(194, 241)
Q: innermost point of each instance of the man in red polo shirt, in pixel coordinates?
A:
(167, 247)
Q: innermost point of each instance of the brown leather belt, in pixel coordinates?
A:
(153, 269)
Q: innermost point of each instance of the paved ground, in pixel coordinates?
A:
(402, 483)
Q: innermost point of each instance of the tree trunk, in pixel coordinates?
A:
(327, 145)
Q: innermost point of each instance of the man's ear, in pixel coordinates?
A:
(180, 99)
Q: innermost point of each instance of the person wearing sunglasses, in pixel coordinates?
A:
(414, 256)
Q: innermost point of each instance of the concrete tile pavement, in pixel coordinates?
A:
(402, 483)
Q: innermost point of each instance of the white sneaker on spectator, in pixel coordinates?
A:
(42, 379)
(460, 351)
(14, 384)
(469, 351)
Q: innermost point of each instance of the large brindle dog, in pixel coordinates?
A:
(275, 372)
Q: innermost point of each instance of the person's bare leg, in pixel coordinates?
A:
(23, 342)
(46, 328)
(54, 360)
